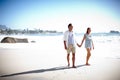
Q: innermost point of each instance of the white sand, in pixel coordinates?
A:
(46, 60)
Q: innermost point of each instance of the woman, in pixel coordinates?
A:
(88, 44)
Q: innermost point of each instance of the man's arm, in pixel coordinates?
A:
(65, 45)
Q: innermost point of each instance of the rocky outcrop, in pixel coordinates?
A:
(112, 31)
(14, 40)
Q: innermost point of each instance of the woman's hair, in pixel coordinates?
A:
(88, 29)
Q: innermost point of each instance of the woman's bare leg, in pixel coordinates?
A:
(88, 56)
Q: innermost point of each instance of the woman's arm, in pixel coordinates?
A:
(82, 40)
(92, 44)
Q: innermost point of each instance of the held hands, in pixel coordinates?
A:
(79, 45)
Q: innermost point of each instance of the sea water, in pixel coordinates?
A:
(106, 44)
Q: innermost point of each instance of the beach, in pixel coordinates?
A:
(46, 59)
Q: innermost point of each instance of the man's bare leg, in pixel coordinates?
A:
(68, 59)
(73, 60)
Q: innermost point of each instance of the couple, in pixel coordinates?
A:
(69, 44)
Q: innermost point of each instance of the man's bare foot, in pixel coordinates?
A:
(68, 64)
(73, 66)
(87, 64)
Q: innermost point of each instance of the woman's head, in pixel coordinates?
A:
(88, 30)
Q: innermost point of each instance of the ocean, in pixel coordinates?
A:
(106, 44)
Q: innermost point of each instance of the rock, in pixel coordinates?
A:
(33, 41)
(14, 40)
(112, 31)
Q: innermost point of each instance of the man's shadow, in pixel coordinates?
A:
(40, 71)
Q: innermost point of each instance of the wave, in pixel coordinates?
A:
(97, 37)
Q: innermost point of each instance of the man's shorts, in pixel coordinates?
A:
(70, 48)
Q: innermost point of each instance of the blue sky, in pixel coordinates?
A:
(100, 15)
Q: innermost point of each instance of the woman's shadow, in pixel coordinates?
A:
(41, 70)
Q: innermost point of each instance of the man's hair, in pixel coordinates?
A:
(69, 25)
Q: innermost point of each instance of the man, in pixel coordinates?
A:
(69, 44)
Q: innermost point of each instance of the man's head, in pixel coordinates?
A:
(70, 27)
